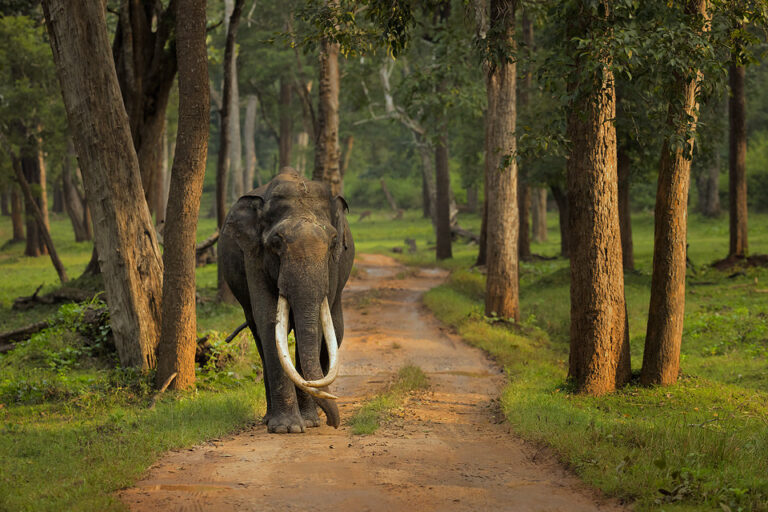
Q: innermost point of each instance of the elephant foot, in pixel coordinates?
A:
(310, 416)
(285, 423)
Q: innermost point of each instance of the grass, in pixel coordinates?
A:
(698, 445)
(369, 417)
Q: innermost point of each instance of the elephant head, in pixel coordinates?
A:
(295, 244)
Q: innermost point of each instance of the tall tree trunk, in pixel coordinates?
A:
(472, 198)
(661, 357)
(524, 229)
(129, 255)
(737, 182)
(708, 185)
(58, 197)
(561, 199)
(74, 202)
(599, 356)
(33, 168)
(302, 143)
(286, 123)
(482, 250)
(250, 142)
(17, 215)
(164, 183)
(523, 190)
(539, 214)
(429, 189)
(146, 67)
(501, 291)
(327, 135)
(176, 352)
(625, 219)
(235, 139)
(346, 154)
(443, 207)
(223, 162)
(5, 201)
(42, 224)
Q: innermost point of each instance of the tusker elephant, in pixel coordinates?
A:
(286, 252)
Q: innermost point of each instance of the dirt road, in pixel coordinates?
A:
(447, 450)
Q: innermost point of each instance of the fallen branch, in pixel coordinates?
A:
(208, 242)
(204, 252)
(55, 297)
(458, 231)
(22, 333)
(162, 389)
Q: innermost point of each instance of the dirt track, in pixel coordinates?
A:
(448, 450)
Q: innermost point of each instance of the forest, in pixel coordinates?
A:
(549, 220)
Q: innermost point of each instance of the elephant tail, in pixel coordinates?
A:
(236, 332)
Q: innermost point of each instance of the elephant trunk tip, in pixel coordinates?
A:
(331, 410)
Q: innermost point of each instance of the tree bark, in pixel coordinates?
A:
(524, 233)
(737, 182)
(159, 195)
(74, 202)
(223, 162)
(286, 123)
(709, 189)
(661, 357)
(17, 216)
(146, 67)
(250, 143)
(327, 134)
(561, 199)
(58, 197)
(42, 225)
(599, 357)
(539, 214)
(124, 234)
(625, 219)
(501, 292)
(33, 168)
(176, 352)
(346, 154)
(443, 207)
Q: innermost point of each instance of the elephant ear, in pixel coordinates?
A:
(242, 222)
(339, 206)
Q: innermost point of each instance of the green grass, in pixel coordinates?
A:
(368, 418)
(702, 441)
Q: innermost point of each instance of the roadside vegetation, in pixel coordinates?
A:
(697, 445)
(369, 417)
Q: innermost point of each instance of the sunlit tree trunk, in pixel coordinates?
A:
(501, 292)
(176, 352)
(124, 235)
(661, 358)
(599, 356)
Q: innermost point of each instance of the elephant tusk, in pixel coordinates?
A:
(281, 336)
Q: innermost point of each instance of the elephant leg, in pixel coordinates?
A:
(260, 348)
(307, 405)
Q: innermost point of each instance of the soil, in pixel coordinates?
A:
(449, 448)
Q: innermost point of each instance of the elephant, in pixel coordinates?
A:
(286, 252)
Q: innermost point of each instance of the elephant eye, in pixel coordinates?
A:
(275, 243)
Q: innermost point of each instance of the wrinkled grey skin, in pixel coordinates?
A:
(289, 237)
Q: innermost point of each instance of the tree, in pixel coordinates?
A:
(123, 231)
(737, 157)
(501, 292)
(599, 357)
(327, 133)
(176, 352)
(223, 161)
(661, 358)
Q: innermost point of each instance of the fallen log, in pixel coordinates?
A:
(55, 297)
(457, 231)
(9, 338)
(204, 252)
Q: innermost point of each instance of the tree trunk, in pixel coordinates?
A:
(17, 215)
(33, 168)
(42, 224)
(661, 357)
(302, 143)
(390, 199)
(286, 123)
(709, 188)
(599, 356)
(223, 162)
(429, 191)
(524, 230)
(472, 198)
(146, 67)
(74, 202)
(349, 142)
(482, 251)
(501, 291)
(176, 352)
(5, 201)
(737, 182)
(539, 214)
(235, 139)
(163, 183)
(58, 199)
(561, 199)
(327, 135)
(625, 218)
(443, 207)
(250, 143)
(124, 235)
